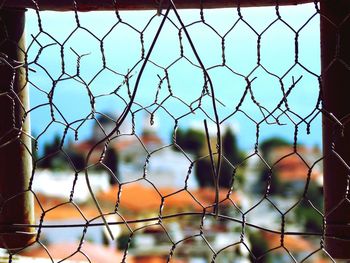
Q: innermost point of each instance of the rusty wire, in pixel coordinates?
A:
(205, 104)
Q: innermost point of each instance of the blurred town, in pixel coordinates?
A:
(139, 177)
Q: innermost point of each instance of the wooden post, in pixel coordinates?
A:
(16, 204)
(335, 48)
(94, 5)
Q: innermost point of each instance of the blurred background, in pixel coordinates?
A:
(153, 175)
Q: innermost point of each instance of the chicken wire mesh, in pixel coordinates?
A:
(182, 135)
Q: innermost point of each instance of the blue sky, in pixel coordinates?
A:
(122, 49)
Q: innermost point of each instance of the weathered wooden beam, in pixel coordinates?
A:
(335, 54)
(16, 203)
(94, 5)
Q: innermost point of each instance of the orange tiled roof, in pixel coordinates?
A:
(136, 197)
(292, 243)
(155, 259)
(119, 145)
(63, 211)
(83, 147)
(150, 138)
(292, 167)
(322, 260)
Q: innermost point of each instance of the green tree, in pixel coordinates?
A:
(276, 186)
(266, 147)
(258, 247)
(306, 214)
(77, 159)
(232, 154)
(52, 161)
(111, 160)
(191, 140)
(230, 146)
(56, 160)
(271, 143)
(204, 174)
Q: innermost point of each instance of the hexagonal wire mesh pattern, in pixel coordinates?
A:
(164, 96)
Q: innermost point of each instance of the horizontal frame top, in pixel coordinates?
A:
(95, 5)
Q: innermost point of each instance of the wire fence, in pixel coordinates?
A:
(176, 135)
